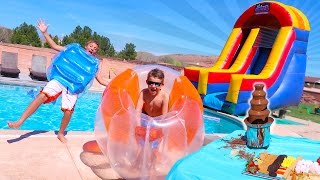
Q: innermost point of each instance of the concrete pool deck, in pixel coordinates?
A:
(40, 155)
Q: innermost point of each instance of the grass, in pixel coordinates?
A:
(304, 111)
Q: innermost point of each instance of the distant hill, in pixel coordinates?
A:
(146, 57)
(185, 59)
(5, 34)
(191, 59)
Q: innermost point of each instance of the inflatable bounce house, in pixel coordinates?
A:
(267, 45)
(148, 150)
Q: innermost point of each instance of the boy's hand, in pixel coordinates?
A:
(43, 27)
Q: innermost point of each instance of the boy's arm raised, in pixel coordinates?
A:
(43, 27)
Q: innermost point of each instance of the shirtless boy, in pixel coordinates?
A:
(152, 101)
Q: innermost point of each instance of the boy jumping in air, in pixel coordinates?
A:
(53, 89)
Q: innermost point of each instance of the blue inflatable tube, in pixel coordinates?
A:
(74, 68)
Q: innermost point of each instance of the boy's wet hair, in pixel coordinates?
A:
(157, 73)
(92, 41)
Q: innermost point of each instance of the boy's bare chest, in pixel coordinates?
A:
(153, 102)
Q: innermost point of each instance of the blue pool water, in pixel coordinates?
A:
(287, 122)
(220, 123)
(281, 121)
(15, 99)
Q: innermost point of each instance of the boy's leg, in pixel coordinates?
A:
(64, 123)
(68, 102)
(49, 93)
(34, 105)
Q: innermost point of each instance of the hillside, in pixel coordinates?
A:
(185, 59)
(179, 60)
(191, 59)
(5, 34)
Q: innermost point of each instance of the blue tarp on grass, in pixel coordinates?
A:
(214, 161)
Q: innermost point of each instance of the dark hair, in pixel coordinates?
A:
(92, 41)
(157, 73)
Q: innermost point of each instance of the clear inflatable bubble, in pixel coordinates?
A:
(148, 150)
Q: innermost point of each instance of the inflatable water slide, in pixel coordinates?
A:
(267, 45)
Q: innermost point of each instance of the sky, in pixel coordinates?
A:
(156, 26)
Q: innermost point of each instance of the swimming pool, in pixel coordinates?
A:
(281, 121)
(15, 99)
(287, 122)
(221, 123)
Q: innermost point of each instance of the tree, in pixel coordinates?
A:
(67, 40)
(26, 34)
(129, 52)
(82, 35)
(74, 37)
(106, 48)
(111, 52)
(55, 39)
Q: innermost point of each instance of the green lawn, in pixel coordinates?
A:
(304, 111)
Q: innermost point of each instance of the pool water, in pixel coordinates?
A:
(281, 121)
(287, 122)
(220, 123)
(15, 99)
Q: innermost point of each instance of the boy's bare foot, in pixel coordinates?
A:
(62, 138)
(15, 124)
